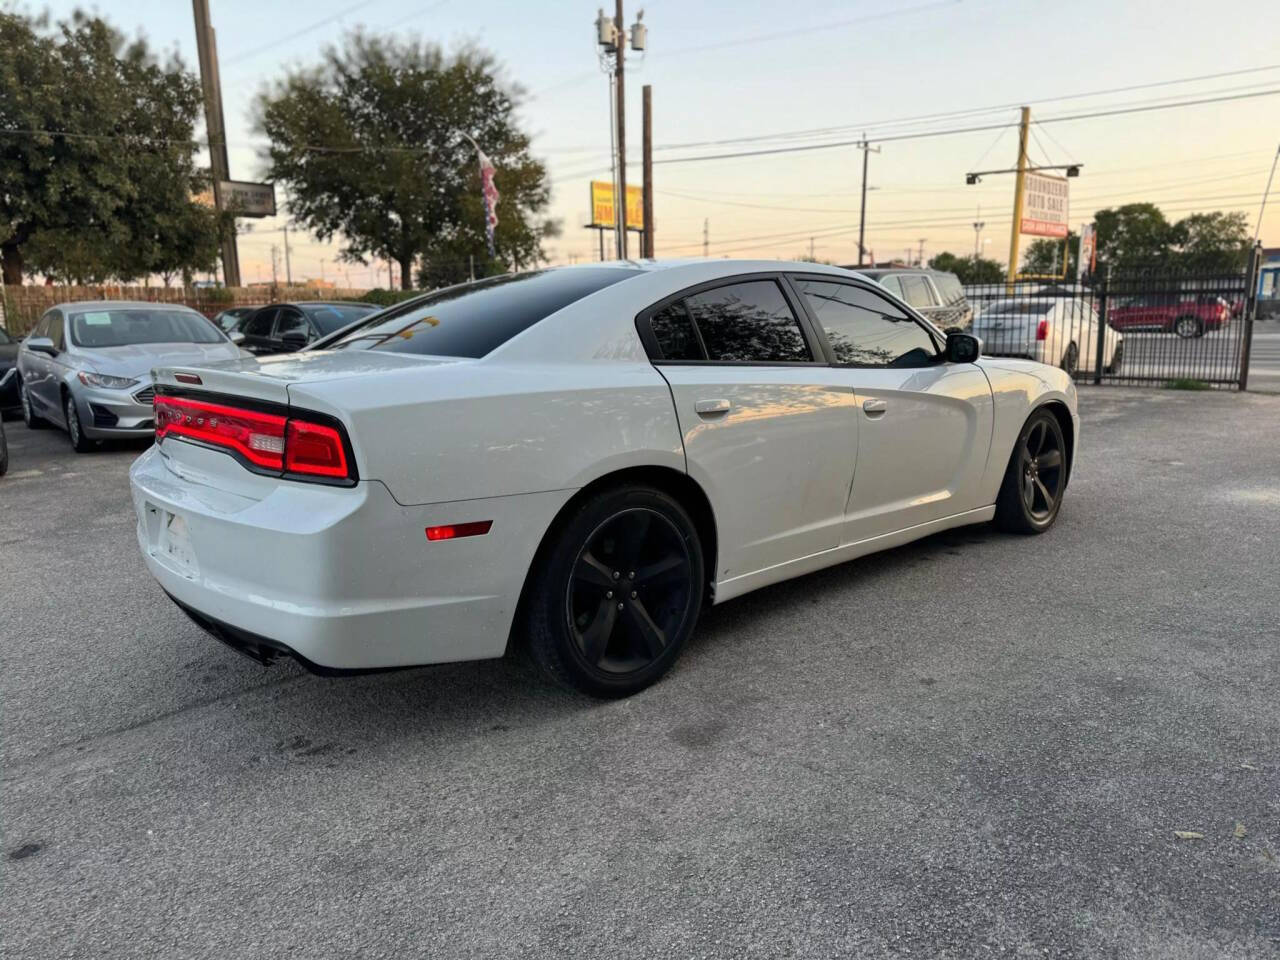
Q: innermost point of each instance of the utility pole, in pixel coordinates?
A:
(706, 238)
(920, 259)
(867, 150)
(215, 128)
(288, 271)
(811, 248)
(1015, 231)
(612, 36)
(620, 202)
(977, 235)
(646, 101)
(275, 258)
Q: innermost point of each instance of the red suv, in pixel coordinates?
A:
(1186, 318)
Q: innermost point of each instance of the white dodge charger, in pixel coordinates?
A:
(581, 458)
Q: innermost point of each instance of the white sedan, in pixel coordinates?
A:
(580, 458)
(1053, 329)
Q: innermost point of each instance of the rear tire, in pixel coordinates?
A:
(1071, 361)
(1116, 357)
(1188, 326)
(1031, 493)
(616, 593)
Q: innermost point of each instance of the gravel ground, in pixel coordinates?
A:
(977, 745)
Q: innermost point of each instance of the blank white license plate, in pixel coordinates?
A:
(174, 542)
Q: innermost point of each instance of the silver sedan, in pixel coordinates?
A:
(86, 367)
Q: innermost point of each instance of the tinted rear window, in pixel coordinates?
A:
(330, 317)
(472, 319)
(118, 327)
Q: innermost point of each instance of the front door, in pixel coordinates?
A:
(924, 425)
(768, 433)
(257, 331)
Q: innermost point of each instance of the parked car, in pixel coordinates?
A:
(1059, 331)
(86, 367)
(581, 456)
(10, 403)
(934, 294)
(229, 320)
(285, 327)
(1187, 316)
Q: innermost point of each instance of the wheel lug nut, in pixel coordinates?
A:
(631, 575)
(608, 595)
(633, 594)
(616, 574)
(619, 606)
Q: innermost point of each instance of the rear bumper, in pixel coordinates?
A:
(342, 579)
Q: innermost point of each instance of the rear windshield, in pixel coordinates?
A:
(1018, 308)
(120, 327)
(331, 317)
(472, 319)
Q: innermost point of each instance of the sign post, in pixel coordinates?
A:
(602, 208)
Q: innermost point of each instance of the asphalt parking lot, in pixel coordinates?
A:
(977, 745)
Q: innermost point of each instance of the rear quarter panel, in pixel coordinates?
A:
(482, 429)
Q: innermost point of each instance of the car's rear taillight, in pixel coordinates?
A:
(294, 445)
(1042, 330)
(314, 449)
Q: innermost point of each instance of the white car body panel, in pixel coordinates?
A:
(797, 475)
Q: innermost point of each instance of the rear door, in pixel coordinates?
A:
(924, 425)
(767, 432)
(290, 323)
(257, 330)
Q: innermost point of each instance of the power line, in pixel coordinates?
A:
(278, 41)
(977, 129)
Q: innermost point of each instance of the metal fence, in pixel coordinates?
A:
(1146, 327)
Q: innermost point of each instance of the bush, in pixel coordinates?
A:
(387, 298)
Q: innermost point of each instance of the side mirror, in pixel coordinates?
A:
(41, 345)
(236, 336)
(295, 339)
(963, 348)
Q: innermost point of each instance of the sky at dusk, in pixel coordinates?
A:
(749, 69)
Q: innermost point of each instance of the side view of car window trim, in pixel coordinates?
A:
(653, 346)
(931, 332)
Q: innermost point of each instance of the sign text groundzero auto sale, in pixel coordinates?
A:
(1044, 206)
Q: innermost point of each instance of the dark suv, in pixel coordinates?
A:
(934, 293)
(285, 327)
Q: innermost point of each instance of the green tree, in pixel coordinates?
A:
(970, 270)
(372, 146)
(97, 160)
(1134, 235)
(1212, 242)
(1043, 256)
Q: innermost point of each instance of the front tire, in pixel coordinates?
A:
(29, 416)
(79, 442)
(616, 596)
(1031, 493)
(1188, 327)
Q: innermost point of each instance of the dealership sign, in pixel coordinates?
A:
(1044, 206)
(248, 199)
(603, 213)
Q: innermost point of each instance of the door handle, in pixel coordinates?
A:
(874, 408)
(712, 408)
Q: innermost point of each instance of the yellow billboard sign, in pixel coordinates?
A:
(602, 211)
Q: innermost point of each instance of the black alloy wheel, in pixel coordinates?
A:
(618, 594)
(1031, 494)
